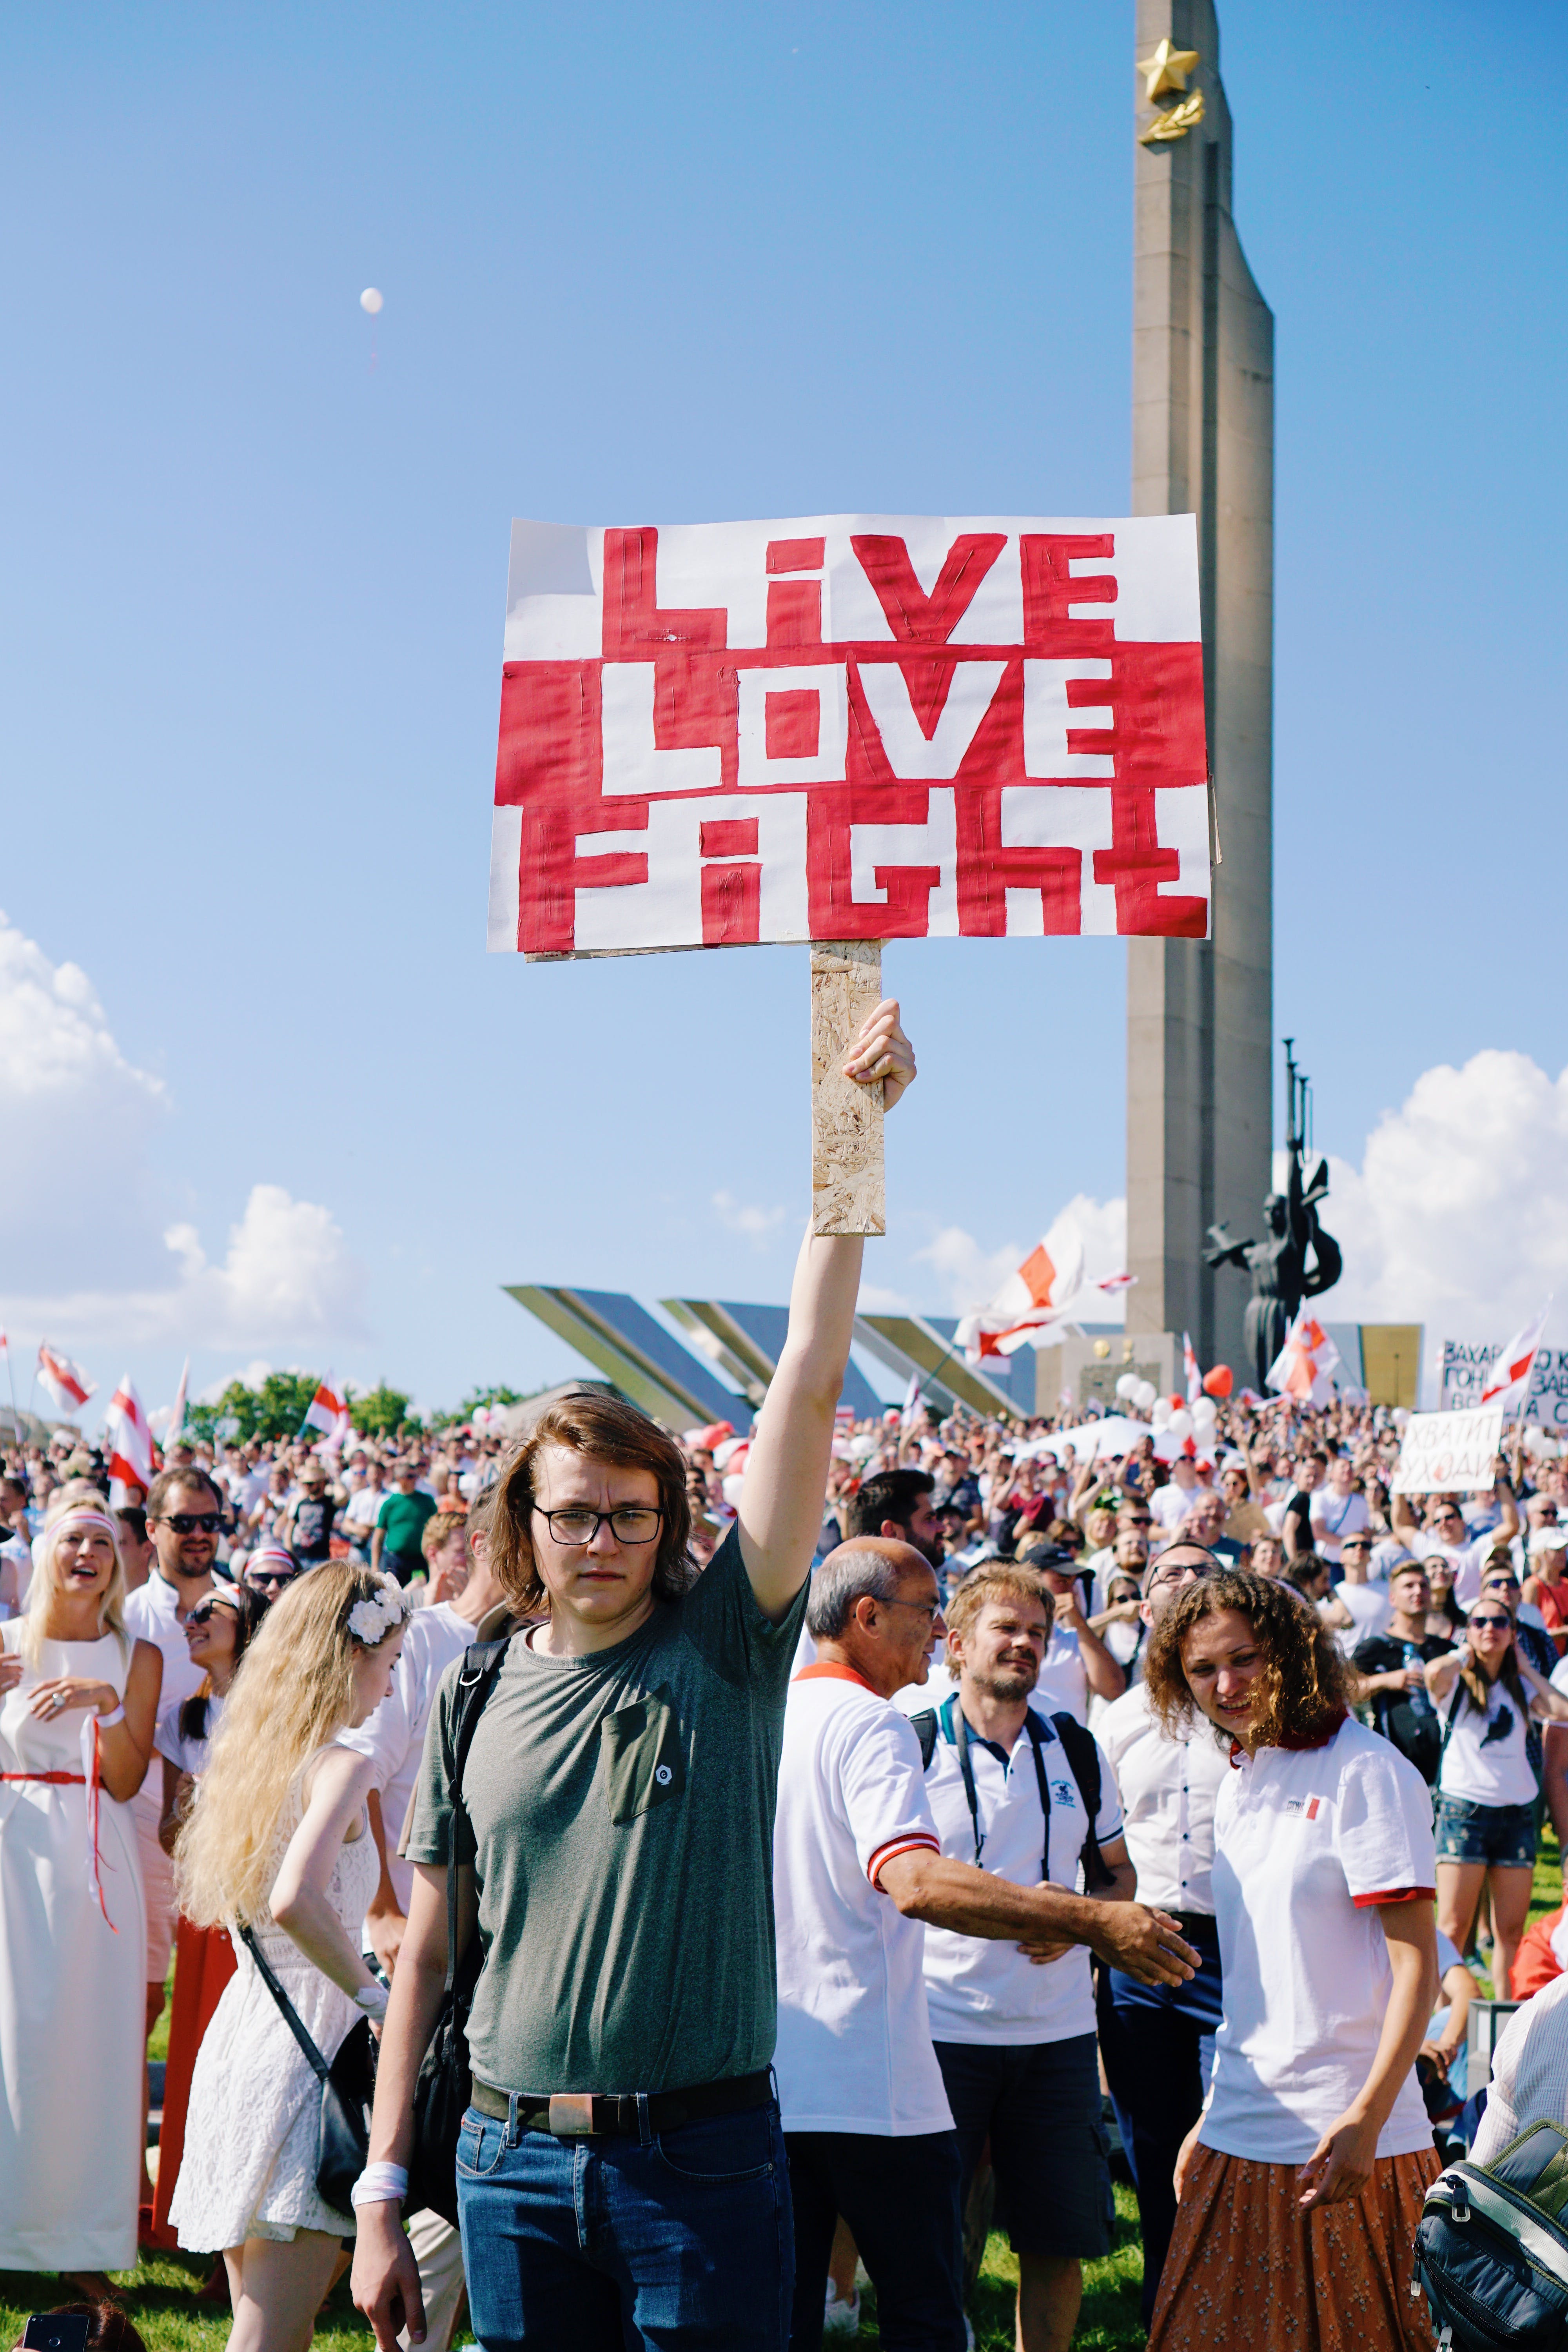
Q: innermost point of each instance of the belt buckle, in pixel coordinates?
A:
(572, 2113)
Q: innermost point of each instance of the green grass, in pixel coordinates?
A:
(161, 2293)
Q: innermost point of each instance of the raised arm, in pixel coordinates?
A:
(786, 1469)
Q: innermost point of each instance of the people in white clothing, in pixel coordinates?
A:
(856, 1863)
(278, 1843)
(219, 1628)
(79, 1696)
(1337, 1509)
(1530, 2073)
(1013, 2026)
(1157, 2041)
(1445, 1532)
(1323, 1881)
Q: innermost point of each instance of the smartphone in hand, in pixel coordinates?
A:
(57, 2331)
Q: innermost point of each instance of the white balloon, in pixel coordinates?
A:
(1144, 1395)
(1127, 1387)
(371, 300)
(1180, 1424)
(1205, 1412)
(1161, 1415)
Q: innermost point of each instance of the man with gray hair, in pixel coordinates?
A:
(857, 1866)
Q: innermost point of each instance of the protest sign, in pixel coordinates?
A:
(1467, 1367)
(849, 728)
(1448, 1452)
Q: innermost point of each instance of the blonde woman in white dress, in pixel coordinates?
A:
(278, 1839)
(78, 1696)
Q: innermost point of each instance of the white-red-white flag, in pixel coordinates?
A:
(177, 1409)
(911, 1403)
(1302, 1367)
(1190, 1366)
(1113, 1281)
(132, 1457)
(1509, 1383)
(66, 1382)
(327, 1410)
(1029, 1302)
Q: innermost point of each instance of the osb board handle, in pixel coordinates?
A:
(848, 1194)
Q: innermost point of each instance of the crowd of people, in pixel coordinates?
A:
(845, 1815)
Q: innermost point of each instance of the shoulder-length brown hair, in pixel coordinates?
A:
(603, 1429)
(1306, 1683)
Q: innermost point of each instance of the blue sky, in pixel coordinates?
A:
(693, 264)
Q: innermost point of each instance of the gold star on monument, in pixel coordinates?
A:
(1167, 69)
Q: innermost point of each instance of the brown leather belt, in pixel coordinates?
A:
(579, 2114)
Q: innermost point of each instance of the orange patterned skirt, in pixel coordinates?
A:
(1249, 2271)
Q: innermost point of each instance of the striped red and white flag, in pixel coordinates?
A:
(1030, 1301)
(1190, 1366)
(327, 1410)
(133, 1459)
(66, 1382)
(1508, 1385)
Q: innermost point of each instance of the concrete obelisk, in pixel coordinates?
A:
(1200, 1012)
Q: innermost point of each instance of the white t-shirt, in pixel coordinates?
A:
(1368, 1605)
(150, 1614)
(1334, 1516)
(1063, 1686)
(1306, 1841)
(361, 1510)
(1468, 1559)
(1168, 1789)
(978, 1989)
(1485, 1771)
(1169, 1506)
(854, 2049)
(189, 1755)
(394, 1736)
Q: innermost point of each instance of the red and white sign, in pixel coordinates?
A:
(850, 727)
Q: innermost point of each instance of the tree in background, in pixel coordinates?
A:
(276, 1409)
(381, 1412)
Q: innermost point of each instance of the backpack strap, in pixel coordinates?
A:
(924, 1727)
(1082, 1751)
(476, 1679)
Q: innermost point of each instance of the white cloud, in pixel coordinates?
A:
(759, 1225)
(1458, 1217)
(84, 1234)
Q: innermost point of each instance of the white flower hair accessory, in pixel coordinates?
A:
(371, 1621)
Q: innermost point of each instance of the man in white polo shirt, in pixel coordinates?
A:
(857, 1867)
(1157, 2041)
(1012, 2026)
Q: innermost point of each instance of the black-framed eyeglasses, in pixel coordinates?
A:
(629, 1523)
(192, 1523)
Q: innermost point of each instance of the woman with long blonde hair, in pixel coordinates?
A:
(277, 1840)
(78, 1700)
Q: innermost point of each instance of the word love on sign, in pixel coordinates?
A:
(849, 728)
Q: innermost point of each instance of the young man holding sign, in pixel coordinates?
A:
(622, 2177)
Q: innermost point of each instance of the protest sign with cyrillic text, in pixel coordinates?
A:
(1448, 1452)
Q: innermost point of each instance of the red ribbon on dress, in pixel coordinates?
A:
(91, 1779)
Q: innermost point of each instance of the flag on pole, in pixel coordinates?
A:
(133, 1457)
(1029, 1302)
(1190, 1366)
(66, 1382)
(1302, 1367)
(911, 1403)
(327, 1410)
(1508, 1385)
(177, 1409)
(1113, 1281)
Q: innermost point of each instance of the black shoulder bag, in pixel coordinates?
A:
(348, 2090)
(444, 2086)
(1083, 1752)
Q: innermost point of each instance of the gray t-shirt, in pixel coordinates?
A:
(622, 1811)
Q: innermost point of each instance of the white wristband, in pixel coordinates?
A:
(117, 1716)
(380, 2184)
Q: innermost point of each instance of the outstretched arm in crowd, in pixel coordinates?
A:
(386, 2275)
(931, 1886)
(786, 1469)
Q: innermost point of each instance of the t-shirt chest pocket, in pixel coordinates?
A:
(643, 1765)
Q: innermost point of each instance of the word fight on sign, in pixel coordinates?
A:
(850, 727)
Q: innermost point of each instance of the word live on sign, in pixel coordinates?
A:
(850, 727)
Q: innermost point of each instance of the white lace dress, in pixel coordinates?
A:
(249, 2166)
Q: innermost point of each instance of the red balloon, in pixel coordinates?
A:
(1219, 1383)
(1176, 1404)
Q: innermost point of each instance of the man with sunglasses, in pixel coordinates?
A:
(1157, 2040)
(185, 1518)
(1446, 1532)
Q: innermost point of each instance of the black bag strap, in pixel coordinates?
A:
(1082, 1751)
(925, 1728)
(291, 2015)
(476, 1679)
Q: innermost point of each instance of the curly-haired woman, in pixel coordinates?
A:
(1301, 2183)
(278, 1839)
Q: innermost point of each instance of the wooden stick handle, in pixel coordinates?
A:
(847, 1191)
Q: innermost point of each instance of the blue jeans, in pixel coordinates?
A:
(679, 2240)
